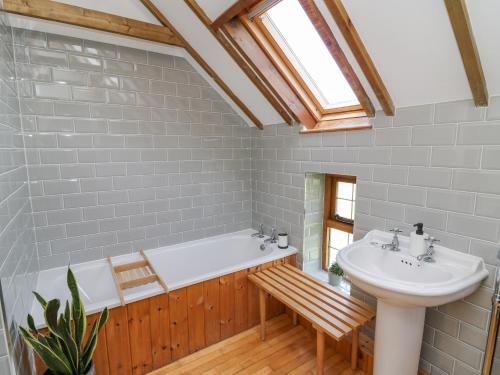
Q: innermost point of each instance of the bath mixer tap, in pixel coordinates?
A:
(427, 256)
(260, 233)
(273, 238)
(394, 245)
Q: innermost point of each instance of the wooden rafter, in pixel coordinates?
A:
(70, 14)
(234, 10)
(333, 47)
(246, 35)
(460, 22)
(165, 22)
(258, 79)
(344, 23)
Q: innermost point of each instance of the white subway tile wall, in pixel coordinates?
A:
(18, 258)
(127, 150)
(434, 163)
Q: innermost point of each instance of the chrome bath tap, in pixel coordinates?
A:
(260, 233)
(273, 237)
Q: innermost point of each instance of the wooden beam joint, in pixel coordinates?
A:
(233, 11)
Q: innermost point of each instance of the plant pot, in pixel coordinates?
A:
(333, 279)
(90, 372)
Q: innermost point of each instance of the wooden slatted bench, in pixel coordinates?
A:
(330, 310)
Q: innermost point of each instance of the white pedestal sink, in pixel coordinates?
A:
(404, 287)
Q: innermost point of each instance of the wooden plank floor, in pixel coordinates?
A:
(288, 349)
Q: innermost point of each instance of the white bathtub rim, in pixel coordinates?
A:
(154, 289)
(281, 253)
(174, 247)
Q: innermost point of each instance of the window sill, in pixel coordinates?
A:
(313, 269)
(349, 124)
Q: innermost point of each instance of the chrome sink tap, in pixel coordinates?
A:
(260, 233)
(394, 245)
(427, 256)
(273, 238)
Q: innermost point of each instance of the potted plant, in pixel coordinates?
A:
(335, 274)
(62, 348)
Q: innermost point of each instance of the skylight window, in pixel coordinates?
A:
(303, 47)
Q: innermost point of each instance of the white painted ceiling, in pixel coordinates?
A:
(411, 43)
(214, 8)
(413, 47)
(125, 8)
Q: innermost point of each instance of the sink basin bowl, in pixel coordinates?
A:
(404, 287)
(401, 279)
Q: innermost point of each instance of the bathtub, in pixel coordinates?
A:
(178, 265)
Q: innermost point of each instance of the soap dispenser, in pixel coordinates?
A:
(417, 240)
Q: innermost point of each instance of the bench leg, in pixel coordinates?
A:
(262, 306)
(294, 318)
(320, 351)
(354, 349)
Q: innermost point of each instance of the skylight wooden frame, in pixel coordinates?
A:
(242, 38)
(317, 106)
(326, 117)
(366, 64)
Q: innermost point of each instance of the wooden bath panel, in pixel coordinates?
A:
(148, 334)
(196, 317)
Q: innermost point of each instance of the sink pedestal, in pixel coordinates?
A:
(398, 339)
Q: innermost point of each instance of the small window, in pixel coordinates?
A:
(338, 215)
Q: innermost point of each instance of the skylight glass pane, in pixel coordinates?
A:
(304, 47)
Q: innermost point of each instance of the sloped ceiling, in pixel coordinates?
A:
(411, 43)
(195, 32)
(413, 46)
(125, 8)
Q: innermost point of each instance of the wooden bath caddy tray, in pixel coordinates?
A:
(134, 274)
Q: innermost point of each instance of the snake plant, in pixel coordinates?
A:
(62, 348)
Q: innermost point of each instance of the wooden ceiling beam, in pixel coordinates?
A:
(460, 22)
(333, 47)
(197, 57)
(93, 19)
(258, 79)
(344, 23)
(231, 12)
(250, 42)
